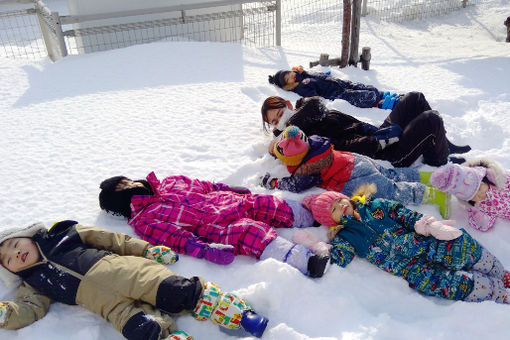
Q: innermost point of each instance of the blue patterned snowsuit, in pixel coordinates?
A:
(385, 236)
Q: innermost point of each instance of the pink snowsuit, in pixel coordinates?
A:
(183, 208)
(497, 204)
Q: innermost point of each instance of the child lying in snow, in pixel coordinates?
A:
(312, 161)
(211, 220)
(482, 185)
(112, 275)
(435, 258)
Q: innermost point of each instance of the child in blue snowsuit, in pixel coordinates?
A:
(435, 258)
(320, 84)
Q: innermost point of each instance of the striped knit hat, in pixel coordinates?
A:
(293, 147)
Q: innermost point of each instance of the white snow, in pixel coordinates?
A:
(194, 109)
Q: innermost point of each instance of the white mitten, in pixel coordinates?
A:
(441, 230)
(4, 308)
(479, 220)
(444, 230)
(311, 242)
(422, 225)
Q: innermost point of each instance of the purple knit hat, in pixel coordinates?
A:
(320, 206)
(461, 181)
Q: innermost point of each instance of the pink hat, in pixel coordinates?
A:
(461, 181)
(293, 147)
(320, 206)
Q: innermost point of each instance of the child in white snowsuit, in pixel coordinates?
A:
(112, 275)
(435, 258)
(482, 185)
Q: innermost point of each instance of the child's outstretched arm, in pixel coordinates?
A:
(29, 307)
(291, 183)
(407, 218)
(479, 220)
(342, 252)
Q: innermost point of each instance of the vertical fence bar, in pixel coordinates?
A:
(61, 43)
(278, 23)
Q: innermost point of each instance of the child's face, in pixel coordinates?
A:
(128, 184)
(340, 208)
(290, 77)
(18, 253)
(481, 194)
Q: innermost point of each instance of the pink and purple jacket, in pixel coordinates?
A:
(497, 205)
(183, 208)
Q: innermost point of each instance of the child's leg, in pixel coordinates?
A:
(296, 255)
(249, 237)
(408, 108)
(487, 288)
(270, 210)
(140, 279)
(489, 265)
(366, 171)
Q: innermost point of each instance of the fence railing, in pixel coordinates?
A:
(28, 28)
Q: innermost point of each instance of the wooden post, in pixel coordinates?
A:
(507, 24)
(355, 28)
(346, 30)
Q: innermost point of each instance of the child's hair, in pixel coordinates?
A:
(278, 79)
(118, 201)
(273, 102)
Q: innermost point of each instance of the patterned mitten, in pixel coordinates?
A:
(179, 335)
(4, 308)
(161, 254)
(228, 310)
(214, 252)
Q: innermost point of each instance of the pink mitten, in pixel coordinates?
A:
(478, 220)
(311, 242)
(422, 225)
(444, 230)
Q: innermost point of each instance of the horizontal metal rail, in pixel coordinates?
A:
(74, 19)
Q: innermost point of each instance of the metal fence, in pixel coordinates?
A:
(29, 29)
(248, 22)
(406, 10)
(20, 32)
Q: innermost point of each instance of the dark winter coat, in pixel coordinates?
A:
(345, 132)
(323, 85)
(423, 130)
(106, 273)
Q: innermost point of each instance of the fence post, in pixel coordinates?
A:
(61, 43)
(355, 23)
(364, 8)
(278, 28)
(346, 30)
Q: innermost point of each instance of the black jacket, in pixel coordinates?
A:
(345, 132)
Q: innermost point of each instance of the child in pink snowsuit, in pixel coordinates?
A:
(482, 185)
(211, 220)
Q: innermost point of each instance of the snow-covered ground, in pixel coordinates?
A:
(194, 109)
